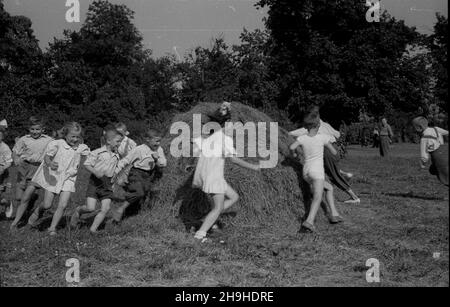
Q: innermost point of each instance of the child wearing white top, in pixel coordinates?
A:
(102, 164)
(28, 154)
(142, 162)
(312, 145)
(432, 144)
(209, 175)
(57, 174)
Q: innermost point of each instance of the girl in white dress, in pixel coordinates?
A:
(58, 172)
(209, 174)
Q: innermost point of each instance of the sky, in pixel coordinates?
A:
(176, 26)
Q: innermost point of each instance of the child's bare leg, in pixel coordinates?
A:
(89, 207)
(330, 198)
(47, 203)
(231, 197)
(25, 199)
(120, 211)
(317, 189)
(106, 205)
(212, 216)
(352, 194)
(64, 198)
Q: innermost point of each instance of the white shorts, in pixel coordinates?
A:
(313, 172)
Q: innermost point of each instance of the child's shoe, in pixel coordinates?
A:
(307, 228)
(336, 219)
(34, 217)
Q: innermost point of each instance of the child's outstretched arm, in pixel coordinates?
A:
(245, 164)
(331, 148)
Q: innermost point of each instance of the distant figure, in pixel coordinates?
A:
(364, 135)
(375, 138)
(385, 138)
(432, 144)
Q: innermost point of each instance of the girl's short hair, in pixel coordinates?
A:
(121, 128)
(34, 121)
(70, 126)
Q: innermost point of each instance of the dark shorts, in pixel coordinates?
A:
(25, 173)
(99, 188)
(139, 185)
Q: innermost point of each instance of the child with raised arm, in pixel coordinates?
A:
(313, 145)
(432, 145)
(101, 163)
(5, 163)
(28, 154)
(209, 174)
(144, 160)
(58, 173)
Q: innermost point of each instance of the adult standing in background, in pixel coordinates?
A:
(385, 138)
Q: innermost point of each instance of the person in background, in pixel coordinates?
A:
(375, 137)
(432, 145)
(385, 138)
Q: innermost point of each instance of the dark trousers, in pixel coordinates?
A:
(139, 185)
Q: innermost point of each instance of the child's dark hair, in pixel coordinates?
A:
(312, 120)
(71, 126)
(152, 133)
(34, 121)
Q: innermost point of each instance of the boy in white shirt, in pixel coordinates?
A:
(312, 145)
(144, 160)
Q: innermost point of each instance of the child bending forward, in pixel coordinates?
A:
(102, 164)
(143, 161)
(312, 145)
(57, 174)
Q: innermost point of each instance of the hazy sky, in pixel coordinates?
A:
(167, 25)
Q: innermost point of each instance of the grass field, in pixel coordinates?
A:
(402, 221)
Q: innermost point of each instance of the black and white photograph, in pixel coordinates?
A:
(224, 149)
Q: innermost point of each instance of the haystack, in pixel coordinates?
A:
(273, 195)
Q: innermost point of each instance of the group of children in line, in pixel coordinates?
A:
(53, 165)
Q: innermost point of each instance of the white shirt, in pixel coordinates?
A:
(430, 141)
(324, 128)
(142, 157)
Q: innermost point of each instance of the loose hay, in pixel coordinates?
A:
(273, 195)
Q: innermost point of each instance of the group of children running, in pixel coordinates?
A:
(53, 165)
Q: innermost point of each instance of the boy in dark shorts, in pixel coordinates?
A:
(101, 163)
(145, 160)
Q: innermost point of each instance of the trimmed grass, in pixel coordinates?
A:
(401, 221)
